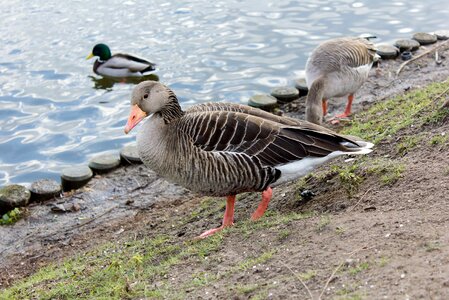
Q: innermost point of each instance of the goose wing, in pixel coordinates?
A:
(272, 143)
(126, 61)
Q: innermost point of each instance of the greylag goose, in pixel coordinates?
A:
(118, 65)
(223, 149)
(336, 68)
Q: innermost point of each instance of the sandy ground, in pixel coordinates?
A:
(397, 234)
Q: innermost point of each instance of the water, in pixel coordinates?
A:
(54, 112)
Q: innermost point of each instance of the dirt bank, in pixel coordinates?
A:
(377, 226)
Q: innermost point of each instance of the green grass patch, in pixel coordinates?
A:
(383, 119)
(389, 171)
(307, 275)
(407, 143)
(11, 217)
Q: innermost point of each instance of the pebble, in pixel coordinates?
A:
(301, 86)
(442, 34)
(387, 51)
(75, 177)
(285, 94)
(407, 45)
(265, 102)
(130, 155)
(104, 163)
(406, 55)
(44, 189)
(425, 38)
(12, 196)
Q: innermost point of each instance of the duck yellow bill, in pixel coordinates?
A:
(90, 56)
(134, 118)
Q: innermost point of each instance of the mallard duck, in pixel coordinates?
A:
(118, 65)
(223, 149)
(337, 68)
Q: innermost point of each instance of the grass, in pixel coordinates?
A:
(385, 118)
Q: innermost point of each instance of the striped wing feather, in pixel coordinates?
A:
(272, 142)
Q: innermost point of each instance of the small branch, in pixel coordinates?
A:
(338, 268)
(300, 280)
(419, 56)
(360, 200)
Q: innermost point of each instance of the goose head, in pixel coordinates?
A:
(147, 98)
(100, 50)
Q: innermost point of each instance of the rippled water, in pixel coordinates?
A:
(54, 112)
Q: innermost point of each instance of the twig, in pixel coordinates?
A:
(300, 280)
(338, 268)
(360, 200)
(96, 217)
(419, 56)
(441, 95)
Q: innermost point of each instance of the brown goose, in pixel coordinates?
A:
(337, 68)
(222, 149)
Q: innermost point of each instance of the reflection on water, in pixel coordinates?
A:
(106, 83)
(55, 112)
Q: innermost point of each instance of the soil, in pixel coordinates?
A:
(385, 241)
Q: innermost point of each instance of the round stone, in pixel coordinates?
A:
(301, 86)
(12, 196)
(44, 189)
(75, 177)
(285, 94)
(406, 55)
(265, 102)
(407, 45)
(104, 163)
(130, 155)
(425, 38)
(442, 34)
(387, 51)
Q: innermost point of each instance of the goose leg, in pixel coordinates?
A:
(266, 197)
(228, 218)
(324, 103)
(347, 111)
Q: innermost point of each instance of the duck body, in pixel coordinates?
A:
(337, 68)
(119, 65)
(223, 149)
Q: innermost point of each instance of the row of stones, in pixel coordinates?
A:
(285, 94)
(15, 195)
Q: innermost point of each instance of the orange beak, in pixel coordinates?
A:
(135, 117)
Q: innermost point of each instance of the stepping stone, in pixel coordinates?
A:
(130, 155)
(12, 196)
(265, 102)
(301, 86)
(387, 51)
(425, 38)
(75, 177)
(407, 45)
(285, 94)
(442, 34)
(104, 163)
(44, 189)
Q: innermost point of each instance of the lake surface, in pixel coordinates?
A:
(55, 112)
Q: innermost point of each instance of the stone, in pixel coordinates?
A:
(44, 189)
(285, 94)
(130, 155)
(387, 51)
(75, 177)
(425, 38)
(265, 102)
(407, 45)
(104, 163)
(301, 86)
(442, 34)
(12, 196)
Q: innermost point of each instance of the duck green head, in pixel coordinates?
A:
(100, 50)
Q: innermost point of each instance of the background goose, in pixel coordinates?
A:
(118, 65)
(337, 68)
(222, 149)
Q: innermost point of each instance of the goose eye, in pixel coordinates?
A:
(145, 96)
